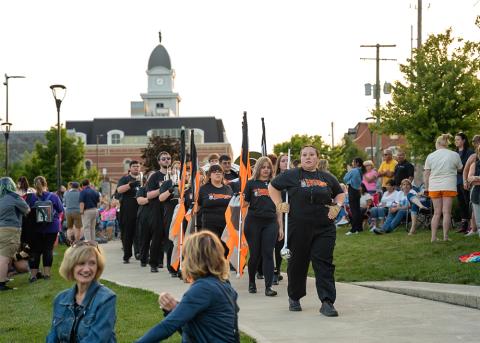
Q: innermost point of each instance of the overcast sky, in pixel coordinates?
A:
(296, 63)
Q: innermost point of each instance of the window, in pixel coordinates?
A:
(115, 137)
(160, 105)
(82, 136)
(88, 164)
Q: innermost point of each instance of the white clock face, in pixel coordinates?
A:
(159, 81)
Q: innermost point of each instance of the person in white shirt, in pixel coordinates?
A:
(440, 175)
(379, 212)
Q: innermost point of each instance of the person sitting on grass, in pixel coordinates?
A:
(208, 310)
(398, 210)
(379, 212)
(85, 312)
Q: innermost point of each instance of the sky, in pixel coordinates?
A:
(296, 63)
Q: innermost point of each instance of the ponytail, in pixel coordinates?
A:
(39, 183)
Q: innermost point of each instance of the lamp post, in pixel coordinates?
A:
(59, 92)
(371, 137)
(7, 124)
(98, 136)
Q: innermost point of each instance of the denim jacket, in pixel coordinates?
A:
(97, 316)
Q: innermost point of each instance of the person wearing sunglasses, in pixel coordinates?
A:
(151, 247)
(85, 312)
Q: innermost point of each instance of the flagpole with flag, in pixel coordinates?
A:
(264, 139)
(195, 176)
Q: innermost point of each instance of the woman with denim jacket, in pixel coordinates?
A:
(207, 312)
(86, 312)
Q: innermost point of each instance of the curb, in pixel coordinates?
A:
(460, 298)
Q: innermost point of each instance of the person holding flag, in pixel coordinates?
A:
(261, 225)
(315, 199)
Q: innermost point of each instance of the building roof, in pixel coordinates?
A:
(159, 58)
(213, 128)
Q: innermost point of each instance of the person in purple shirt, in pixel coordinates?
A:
(45, 233)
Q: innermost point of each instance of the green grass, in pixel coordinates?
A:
(26, 313)
(396, 256)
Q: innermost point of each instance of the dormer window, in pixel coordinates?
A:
(114, 137)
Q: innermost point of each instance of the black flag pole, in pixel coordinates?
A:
(264, 139)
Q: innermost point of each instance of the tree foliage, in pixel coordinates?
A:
(297, 142)
(440, 94)
(155, 145)
(43, 161)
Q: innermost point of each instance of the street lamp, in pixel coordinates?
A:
(59, 92)
(98, 136)
(7, 124)
(371, 137)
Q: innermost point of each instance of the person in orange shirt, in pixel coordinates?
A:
(387, 168)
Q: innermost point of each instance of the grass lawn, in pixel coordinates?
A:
(26, 312)
(396, 256)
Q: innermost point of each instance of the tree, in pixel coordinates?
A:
(297, 141)
(440, 94)
(43, 161)
(155, 145)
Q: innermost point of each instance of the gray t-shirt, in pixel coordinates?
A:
(72, 201)
(12, 208)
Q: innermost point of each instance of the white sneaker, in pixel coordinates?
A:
(471, 233)
(349, 233)
(342, 221)
(373, 228)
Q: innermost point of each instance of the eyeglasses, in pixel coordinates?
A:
(217, 172)
(165, 159)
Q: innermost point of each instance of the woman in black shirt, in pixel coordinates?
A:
(213, 201)
(315, 198)
(261, 225)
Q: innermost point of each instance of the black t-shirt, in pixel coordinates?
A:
(154, 183)
(170, 203)
(141, 193)
(214, 202)
(129, 197)
(261, 205)
(230, 176)
(403, 171)
(308, 193)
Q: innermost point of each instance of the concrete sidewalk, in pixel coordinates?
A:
(366, 315)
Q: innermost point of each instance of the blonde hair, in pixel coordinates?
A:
(79, 254)
(406, 182)
(323, 164)
(258, 167)
(277, 163)
(39, 183)
(204, 256)
(368, 163)
(443, 140)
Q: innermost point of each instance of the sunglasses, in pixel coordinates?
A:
(165, 159)
(85, 243)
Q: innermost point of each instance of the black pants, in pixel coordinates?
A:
(354, 203)
(261, 234)
(42, 247)
(151, 242)
(217, 229)
(309, 241)
(167, 243)
(463, 197)
(129, 228)
(278, 256)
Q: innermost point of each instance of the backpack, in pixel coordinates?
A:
(44, 210)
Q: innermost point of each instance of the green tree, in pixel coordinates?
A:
(440, 94)
(297, 141)
(43, 161)
(157, 144)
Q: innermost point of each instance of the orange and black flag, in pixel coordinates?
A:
(191, 216)
(264, 139)
(234, 236)
(176, 230)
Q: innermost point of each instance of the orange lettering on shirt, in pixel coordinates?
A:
(217, 196)
(261, 192)
(314, 182)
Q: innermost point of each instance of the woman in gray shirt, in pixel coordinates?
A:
(12, 208)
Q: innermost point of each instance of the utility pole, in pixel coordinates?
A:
(419, 24)
(333, 141)
(377, 91)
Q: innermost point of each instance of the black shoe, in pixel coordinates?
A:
(127, 261)
(39, 275)
(269, 292)
(137, 256)
(160, 265)
(378, 231)
(294, 305)
(260, 276)
(143, 264)
(5, 288)
(154, 269)
(280, 277)
(174, 274)
(32, 279)
(275, 279)
(252, 288)
(328, 309)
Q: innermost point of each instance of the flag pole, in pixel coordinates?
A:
(285, 252)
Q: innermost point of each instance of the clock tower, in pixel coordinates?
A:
(160, 99)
